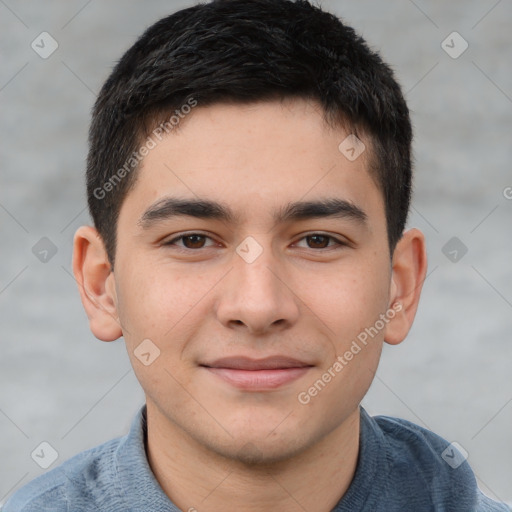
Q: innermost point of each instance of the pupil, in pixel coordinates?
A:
(195, 240)
(317, 237)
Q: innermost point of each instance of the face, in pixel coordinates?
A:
(249, 299)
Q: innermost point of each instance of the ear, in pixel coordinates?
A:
(409, 268)
(96, 283)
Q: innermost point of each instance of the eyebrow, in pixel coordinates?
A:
(170, 207)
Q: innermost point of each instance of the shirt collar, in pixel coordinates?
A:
(371, 462)
(141, 490)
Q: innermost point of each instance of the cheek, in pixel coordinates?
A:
(166, 305)
(151, 299)
(350, 304)
(155, 305)
(349, 299)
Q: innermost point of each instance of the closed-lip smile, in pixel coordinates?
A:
(258, 374)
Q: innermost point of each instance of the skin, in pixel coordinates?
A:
(211, 445)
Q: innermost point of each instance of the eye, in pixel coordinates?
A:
(321, 241)
(190, 241)
(196, 241)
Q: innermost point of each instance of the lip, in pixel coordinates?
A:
(266, 363)
(258, 374)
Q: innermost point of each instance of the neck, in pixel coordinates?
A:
(197, 479)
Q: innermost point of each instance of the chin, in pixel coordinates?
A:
(254, 454)
(261, 449)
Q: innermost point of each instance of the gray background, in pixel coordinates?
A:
(60, 385)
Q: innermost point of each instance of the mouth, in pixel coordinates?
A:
(258, 374)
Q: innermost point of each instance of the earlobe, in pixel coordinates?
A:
(96, 284)
(409, 268)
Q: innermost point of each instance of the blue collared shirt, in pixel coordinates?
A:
(401, 467)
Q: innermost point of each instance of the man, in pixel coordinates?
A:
(249, 178)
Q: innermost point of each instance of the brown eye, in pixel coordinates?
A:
(193, 241)
(189, 242)
(318, 241)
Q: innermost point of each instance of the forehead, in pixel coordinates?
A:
(257, 157)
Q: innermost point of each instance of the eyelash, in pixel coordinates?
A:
(338, 242)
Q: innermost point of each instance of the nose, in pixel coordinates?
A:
(257, 296)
